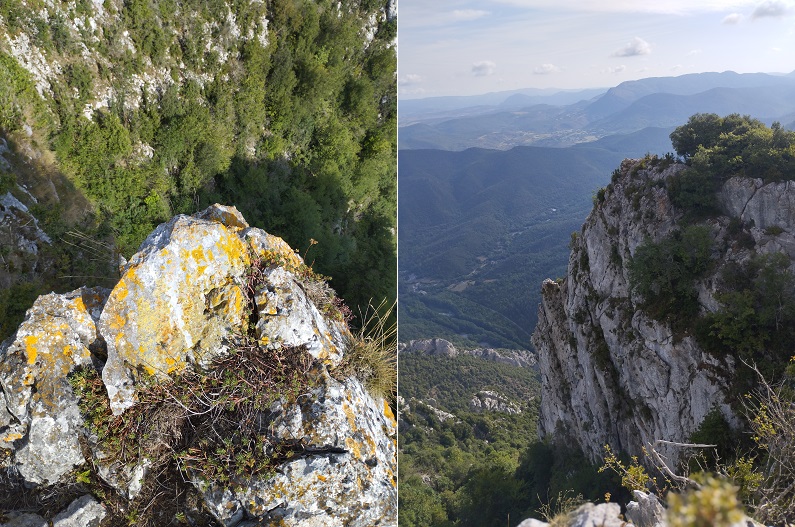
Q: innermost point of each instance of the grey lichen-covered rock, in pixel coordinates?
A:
(57, 336)
(83, 512)
(645, 510)
(187, 296)
(287, 316)
(177, 302)
(349, 450)
(611, 374)
(587, 515)
(532, 522)
(603, 515)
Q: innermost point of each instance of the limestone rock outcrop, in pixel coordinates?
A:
(610, 373)
(645, 511)
(445, 348)
(183, 301)
(587, 515)
(39, 417)
(491, 401)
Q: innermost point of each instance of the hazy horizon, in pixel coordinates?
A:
(463, 47)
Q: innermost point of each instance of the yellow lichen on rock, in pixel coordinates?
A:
(30, 347)
(178, 302)
(53, 340)
(389, 414)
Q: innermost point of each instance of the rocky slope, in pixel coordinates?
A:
(611, 374)
(445, 348)
(217, 367)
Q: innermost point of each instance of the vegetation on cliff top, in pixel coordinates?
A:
(296, 126)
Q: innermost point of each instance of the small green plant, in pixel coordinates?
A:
(599, 196)
(633, 476)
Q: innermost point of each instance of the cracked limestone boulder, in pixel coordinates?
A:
(179, 301)
(287, 315)
(182, 298)
(40, 422)
(345, 474)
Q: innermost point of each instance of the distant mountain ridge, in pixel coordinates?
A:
(628, 107)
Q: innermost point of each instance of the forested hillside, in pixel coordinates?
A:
(459, 466)
(136, 110)
(480, 229)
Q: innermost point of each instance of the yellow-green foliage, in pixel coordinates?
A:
(633, 476)
(744, 474)
(714, 504)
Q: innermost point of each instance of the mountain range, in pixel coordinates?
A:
(565, 118)
(481, 228)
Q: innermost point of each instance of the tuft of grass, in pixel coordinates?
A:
(558, 511)
(371, 354)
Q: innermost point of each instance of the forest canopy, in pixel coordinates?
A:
(284, 109)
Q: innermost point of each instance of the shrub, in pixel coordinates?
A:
(713, 504)
(664, 274)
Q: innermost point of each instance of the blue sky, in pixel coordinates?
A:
(467, 47)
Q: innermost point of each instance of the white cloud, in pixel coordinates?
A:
(771, 8)
(732, 19)
(679, 7)
(483, 68)
(410, 79)
(469, 14)
(637, 46)
(615, 70)
(546, 69)
(412, 91)
(694, 52)
(677, 67)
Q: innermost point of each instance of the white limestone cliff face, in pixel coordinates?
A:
(611, 374)
(183, 300)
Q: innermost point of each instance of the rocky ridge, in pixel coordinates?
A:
(445, 348)
(180, 305)
(610, 373)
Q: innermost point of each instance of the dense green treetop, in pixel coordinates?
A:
(736, 145)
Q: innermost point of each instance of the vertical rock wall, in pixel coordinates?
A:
(611, 374)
